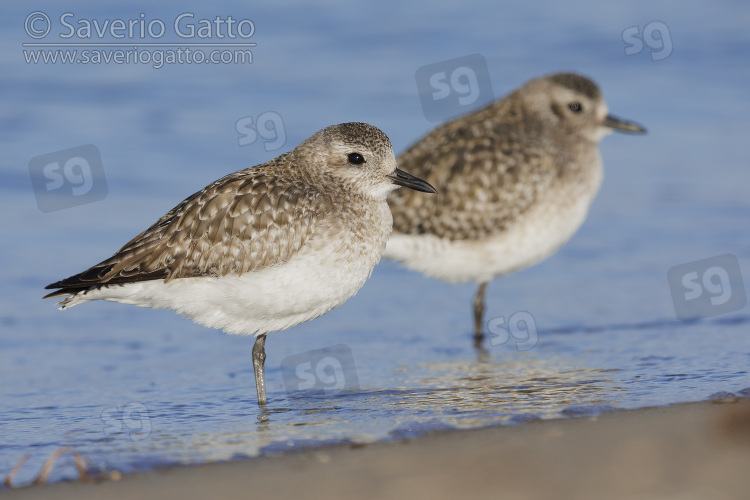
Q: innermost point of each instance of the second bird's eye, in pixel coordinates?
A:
(356, 158)
(575, 107)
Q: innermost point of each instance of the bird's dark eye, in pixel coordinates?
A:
(575, 107)
(356, 158)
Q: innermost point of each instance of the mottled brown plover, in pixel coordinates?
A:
(515, 181)
(265, 248)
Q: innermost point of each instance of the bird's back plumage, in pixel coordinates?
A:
(484, 171)
(241, 223)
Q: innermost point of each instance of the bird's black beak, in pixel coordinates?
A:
(617, 124)
(407, 180)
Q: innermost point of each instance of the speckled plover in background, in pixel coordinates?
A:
(265, 248)
(515, 181)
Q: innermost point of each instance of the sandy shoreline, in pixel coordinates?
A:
(687, 451)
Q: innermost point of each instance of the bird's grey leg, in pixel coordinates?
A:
(259, 358)
(479, 314)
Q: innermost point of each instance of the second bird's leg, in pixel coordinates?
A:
(479, 314)
(259, 358)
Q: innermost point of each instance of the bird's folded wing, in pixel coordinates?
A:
(482, 187)
(243, 222)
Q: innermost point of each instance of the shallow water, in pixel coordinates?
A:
(131, 388)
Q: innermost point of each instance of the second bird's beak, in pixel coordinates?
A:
(405, 179)
(617, 124)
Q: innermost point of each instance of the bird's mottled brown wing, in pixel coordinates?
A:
(484, 178)
(243, 222)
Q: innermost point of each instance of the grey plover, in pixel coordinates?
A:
(515, 181)
(265, 248)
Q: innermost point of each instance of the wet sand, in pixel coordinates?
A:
(688, 451)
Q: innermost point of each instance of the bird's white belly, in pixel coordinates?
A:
(529, 240)
(275, 298)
